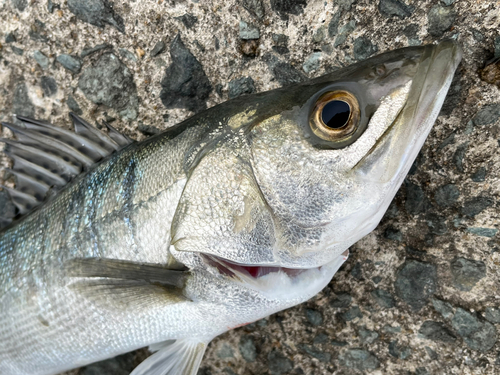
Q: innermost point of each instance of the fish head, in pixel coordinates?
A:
(299, 174)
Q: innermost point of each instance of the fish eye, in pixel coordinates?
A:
(335, 116)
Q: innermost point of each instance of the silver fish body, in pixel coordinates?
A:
(251, 207)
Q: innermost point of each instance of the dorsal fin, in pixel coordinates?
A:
(46, 157)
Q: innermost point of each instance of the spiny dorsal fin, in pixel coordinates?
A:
(46, 157)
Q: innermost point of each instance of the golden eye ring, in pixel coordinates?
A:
(335, 116)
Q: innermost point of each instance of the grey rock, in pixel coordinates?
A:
(344, 32)
(316, 353)
(357, 271)
(126, 54)
(285, 7)
(343, 300)
(41, 59)
(415, 283)
(247, 348)
(393, 234)
(188, 20)
(18, 51)
(476, 205)
(477, 35)
(333, 26)
(121, 365)
(49, 85)
(442, 307)
(241, 86)
(52, 6)
(367, 336)
(111, 83)
(421, 371)
(359, 359)
(397, 8)
(248, 31)
(339, 343)
(280, 43)
(436, 331)
(97, 13)
(411, 30)
(390, 329)
(91, 50)
(446, 195)
(458, 156)
(185, 84)
(467, 272)
(225, 351)
(345, 4)
(319, 35)
(448, 2)
(436, 223)
(497, 46)
(483, 232)
(492, 314)
(363, 48)
(478, 335)
(21, 102)
(278, 364)
(440, 19)
(157, 49)
(255, 7)
(148, 130)
(320, 338)
(383, 298)
(416, 201)
(19, 4)
(351, 314)
(73, 105)
(487, 115)
(284, 72)
(10, 38)
(312, 62)
(72, 63)
(314, 317)
(479, 175)
(376, 279)
(431, 353)
(397, 351)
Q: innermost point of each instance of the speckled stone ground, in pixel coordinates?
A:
(419, 295)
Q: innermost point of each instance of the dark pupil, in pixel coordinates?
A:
(336, 114)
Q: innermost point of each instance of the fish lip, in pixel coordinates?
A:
(253, 271)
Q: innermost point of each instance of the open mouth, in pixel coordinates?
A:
(232, 269)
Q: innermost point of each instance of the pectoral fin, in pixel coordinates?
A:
(182, 357)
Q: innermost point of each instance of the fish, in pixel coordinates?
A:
(241, 211)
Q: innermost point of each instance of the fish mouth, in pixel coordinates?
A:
(232, 269)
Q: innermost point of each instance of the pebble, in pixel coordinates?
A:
(48, 85)
(73, 105)
(479, 175)
(359, 359)
(344, 32)
(286, 7)
(357, 271)
(416, 201)
(312, 62)
(225, 351)
(248, 31)
(440, 19)
(448, 2)
(51, 6)
(247, 348)
(363, 48)
(91, 50)
(148, 130)
(21, 102)
(383, 298)
(157, 49)
(483, 232)
(121, 365)
(343, 300)
(10, 38)
(280, 43)
(397, 8)
(487, 115)
(126, 54)
(436, 331)
(278, 364)
(442, 307)
(432, 354)
(467, 272)
(319, 35)
(397, 351)
(415, 283)
(185, 84)
(478, 335)
(97, 13)
(446, 195)
(188, 20)
(367, 336)
(390, 329)
(351, 314)
(284, 72)
(316, 353)
(436, 223)
(18, 51)
(333, 26)
(320, 338)
(41, 59)
(476, 205)
(314, 317)
(255, 7)
(72, 63)
(393, 234)
(458, 156)
(111, 83)
(240, 86)
(497, 46)
(20, 4)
